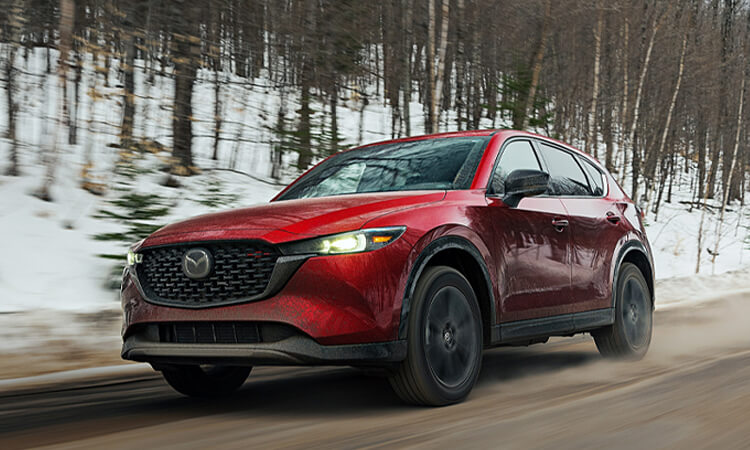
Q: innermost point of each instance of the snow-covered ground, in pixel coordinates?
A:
(49, 257)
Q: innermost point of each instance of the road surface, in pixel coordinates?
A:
(691, 391)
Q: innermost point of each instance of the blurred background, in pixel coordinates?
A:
(119, 116)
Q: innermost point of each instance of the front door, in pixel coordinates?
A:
(531, 244)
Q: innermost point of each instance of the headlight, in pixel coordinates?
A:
(352, 242)
(134, 257)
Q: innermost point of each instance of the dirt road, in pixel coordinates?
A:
(691, 391)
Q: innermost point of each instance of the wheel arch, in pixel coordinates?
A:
(459, 253)
(635, 252)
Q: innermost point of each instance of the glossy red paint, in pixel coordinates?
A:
(335, 299)
(534, 269)
(278, 222)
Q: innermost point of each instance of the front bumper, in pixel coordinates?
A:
(293, 350)
(337, 300)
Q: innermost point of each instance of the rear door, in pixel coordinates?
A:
(531, 243)
(594, 225)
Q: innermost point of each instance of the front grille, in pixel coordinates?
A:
(209, 333)
(241, 271)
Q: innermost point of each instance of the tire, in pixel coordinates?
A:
(444, 351)
(205, 381)
(630, 335)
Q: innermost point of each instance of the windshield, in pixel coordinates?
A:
(431, 164)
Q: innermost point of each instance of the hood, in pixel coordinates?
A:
(293, 219)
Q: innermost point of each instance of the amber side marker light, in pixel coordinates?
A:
(381, 239)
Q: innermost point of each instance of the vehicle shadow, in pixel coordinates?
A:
(282, 393)
(343, 391)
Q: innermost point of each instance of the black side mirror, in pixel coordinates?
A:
(524, 183)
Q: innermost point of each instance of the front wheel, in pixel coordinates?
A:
(444, 350)
(629, 337)
(205, 380)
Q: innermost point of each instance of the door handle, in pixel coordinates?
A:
(560, 224)
(613, 218)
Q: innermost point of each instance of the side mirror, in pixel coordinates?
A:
(524, 183)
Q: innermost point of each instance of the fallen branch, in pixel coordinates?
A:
(699, 204)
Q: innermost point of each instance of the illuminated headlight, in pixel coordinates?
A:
(337, 244)
(134, 257)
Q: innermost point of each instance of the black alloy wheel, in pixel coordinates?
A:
(445, 341)
(630, 335)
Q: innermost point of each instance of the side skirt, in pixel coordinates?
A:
(562, 325)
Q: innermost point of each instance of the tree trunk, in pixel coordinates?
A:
(128, 96)
(14, 25)
(278, 150)
(430, 65)
(671, 176)
(636, 110)
(731, 171)
(476, 76)
(333, 103)
(217, 114)
(672, 103)
(625, 94)
(67, 8)
(660, 190)
(186, 58)
(635, 169)
(591, 135)
(361, 129)
(536, 69)
(609, 141)
(700, 228)
(700, 143)
(460, 65)
(73, 126)
(408, 8)
(304, 129)
(441, 63)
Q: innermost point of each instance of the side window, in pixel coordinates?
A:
(566, 176)
(516, 155)
(595, 177)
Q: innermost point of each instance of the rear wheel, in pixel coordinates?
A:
(205, 380)
(444, 351)
(630, 335)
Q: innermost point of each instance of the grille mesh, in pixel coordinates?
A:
(241, 270)
(209, 333)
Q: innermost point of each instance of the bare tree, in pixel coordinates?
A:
(724, 201)
(536, 66)
(186, 58)
(15, 18)
(67, 8)
(591, 135)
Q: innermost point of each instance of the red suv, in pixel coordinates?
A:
(410, 256)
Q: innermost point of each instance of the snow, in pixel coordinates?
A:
(49, 257)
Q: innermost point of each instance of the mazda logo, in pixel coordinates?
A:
(197, 263)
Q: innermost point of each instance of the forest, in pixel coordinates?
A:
(653, 88)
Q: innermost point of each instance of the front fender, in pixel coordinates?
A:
(444, 238)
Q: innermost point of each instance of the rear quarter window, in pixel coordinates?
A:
(566, 176)
(596, 177)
